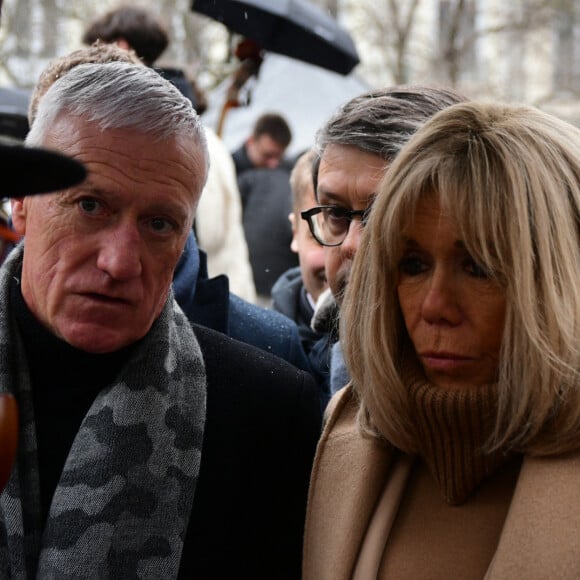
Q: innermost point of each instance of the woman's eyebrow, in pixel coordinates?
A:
(410, 242)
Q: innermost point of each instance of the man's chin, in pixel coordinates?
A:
(98, 341)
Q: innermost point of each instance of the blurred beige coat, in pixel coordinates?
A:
(218, 222)
(541, 534)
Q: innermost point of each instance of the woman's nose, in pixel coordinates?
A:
(440, 302)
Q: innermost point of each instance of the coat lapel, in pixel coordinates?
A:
(348, 477)
(541, 535)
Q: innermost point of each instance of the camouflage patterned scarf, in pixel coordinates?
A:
(122, 505)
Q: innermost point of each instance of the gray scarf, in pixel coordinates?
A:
(122, 505)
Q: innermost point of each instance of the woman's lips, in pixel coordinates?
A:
(443, 361)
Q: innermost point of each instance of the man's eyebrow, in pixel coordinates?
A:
(88, 188)
(338, 199)
(84, 189)
(328, 194)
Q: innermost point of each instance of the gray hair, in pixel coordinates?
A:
(380, 122)
(120, 95)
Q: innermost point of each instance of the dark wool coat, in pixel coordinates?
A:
(263, 422)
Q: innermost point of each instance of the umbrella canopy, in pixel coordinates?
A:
(294, 28)
(304, 94)
(13, 113)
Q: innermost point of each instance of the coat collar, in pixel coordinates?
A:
(348, 477)
(541, 535)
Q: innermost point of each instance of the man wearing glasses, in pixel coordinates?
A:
(354, 148)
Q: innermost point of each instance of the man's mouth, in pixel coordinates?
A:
(105, 298)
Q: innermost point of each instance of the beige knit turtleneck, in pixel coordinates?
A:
(452, 428)
(456, 497)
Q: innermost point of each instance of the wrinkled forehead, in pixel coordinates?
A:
(130, 157)
(349, 176)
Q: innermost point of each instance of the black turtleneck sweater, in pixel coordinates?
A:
(65, 382)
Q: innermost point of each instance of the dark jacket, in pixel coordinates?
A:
(177, 78)
(290, 299)
(266, 203)
(209, 302)
(241, 160)
(262, 426)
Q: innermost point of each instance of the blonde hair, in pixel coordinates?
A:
(301, 182)
(510, 175)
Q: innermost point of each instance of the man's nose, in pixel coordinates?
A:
(120, 252)
(350, 244)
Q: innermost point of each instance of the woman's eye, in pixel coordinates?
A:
(412, 265)
(475, 270)
(90, 205)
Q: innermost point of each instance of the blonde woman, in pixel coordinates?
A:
(455, 450)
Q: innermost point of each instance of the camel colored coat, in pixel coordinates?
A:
(540, 539)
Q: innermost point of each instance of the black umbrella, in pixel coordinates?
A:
(13, 113)
(294, 28)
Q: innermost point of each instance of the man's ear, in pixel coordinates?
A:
(18, 214)
(294, 242)
(122, 43)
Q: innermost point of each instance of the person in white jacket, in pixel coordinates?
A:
(218, 222)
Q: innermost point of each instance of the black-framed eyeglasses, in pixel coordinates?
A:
(329, 224)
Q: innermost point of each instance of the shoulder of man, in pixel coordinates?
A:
(266, 329)
(253, 395)
(242, 363)
(286, 292)
(262, 425)
(241, 160)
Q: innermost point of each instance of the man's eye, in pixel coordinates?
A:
(90, 205)
(335, 213)
(412, 265)
(161, 225)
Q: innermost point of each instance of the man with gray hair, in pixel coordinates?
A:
(355, 147)
(149, 447)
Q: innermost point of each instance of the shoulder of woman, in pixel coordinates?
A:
(340, 414)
